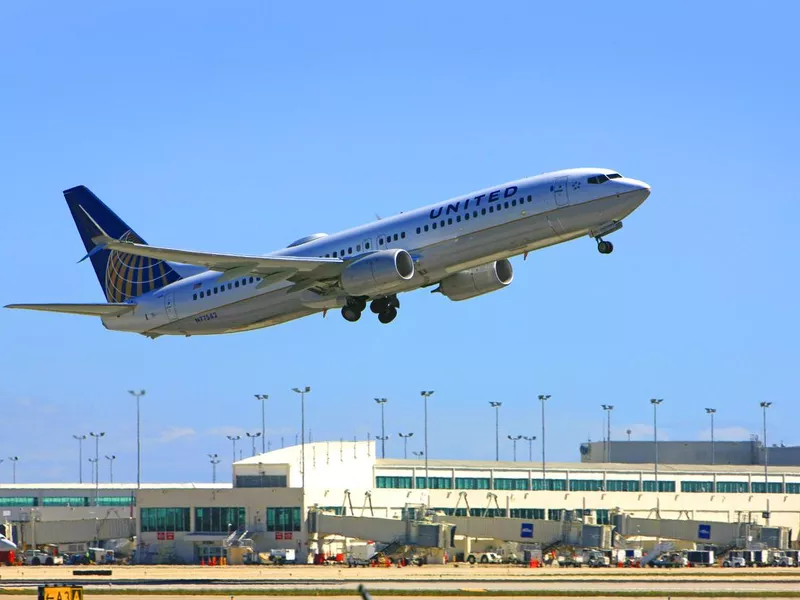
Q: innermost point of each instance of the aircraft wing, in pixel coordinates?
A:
(271, 268)
(93, 310)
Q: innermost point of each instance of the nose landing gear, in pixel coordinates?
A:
(604, 247)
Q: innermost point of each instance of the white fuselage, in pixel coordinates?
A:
(445, 238)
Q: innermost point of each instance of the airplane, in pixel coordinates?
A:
(461, 246)
(6, 544)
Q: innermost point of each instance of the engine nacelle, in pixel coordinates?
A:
(378, 273)
(475, 282)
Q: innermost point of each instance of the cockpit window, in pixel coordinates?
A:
(614, 176)
(597, 179)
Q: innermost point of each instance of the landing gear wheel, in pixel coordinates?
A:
(393, 301)
(357, 303)
(379, 305)
(388, 315)
(604, 247)
(351, 314)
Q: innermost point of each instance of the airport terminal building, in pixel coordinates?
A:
(270, 497)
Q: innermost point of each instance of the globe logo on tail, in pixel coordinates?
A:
(128, 276)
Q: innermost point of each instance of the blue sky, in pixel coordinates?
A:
(240, 127)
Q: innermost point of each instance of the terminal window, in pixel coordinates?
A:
(774, 487)
(436, 483)
(164, 519)
(603, 516)
(528, 513)
(585, 485)
(732, 487)
(622, 485)
(503, 483)
(382, 481)
(283, 518)
(116, 500)
(219, 519)
(489, 512)
(554, 514)
(260, 481)
(663, 486)
(65, 501)
(472, 483)
(550, 485)
(19, 501)
(705, 487)
(793, 488)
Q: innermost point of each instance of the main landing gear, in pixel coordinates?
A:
(604, 247)
(385, 308)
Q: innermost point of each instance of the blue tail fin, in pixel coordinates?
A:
(122, 276)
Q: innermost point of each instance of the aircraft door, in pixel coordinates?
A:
(383, 241)
(366, 245)
(169, 306)
(560, 191)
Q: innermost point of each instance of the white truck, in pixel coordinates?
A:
(484, 558)
(37, 557)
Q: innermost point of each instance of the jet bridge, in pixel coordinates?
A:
(716, 533)
(387, 531)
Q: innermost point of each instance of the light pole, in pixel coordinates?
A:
(425, 395)
(514, 439)
(94, 469)
(111, 460)
(263, 398)
(382, 403)
(496, 406)
(138, 395)
(405, 437)
(253, 437)
(764, 407)
(530, 439)
(419, 454)
(80, 439)
(544, 398)
(303, 392)
(655, 402)
(712, 412)
(97, 437)
(608, 408)
(629, 432)
(14, 460)
(214, 462)
(234, 439)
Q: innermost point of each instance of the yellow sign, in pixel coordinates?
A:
(72, 592)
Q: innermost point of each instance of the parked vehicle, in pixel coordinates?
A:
(484, 558)
(669, 561)
(595, 558)
(37, 557)
(700, 558)
(781, 559)
(734, 561)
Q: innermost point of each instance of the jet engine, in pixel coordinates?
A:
(377, 273)
(477, 281)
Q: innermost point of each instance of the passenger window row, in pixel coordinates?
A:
(219, 289)
(341, 253)
(475, 214)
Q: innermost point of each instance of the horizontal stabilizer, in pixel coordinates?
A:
(93, 310)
